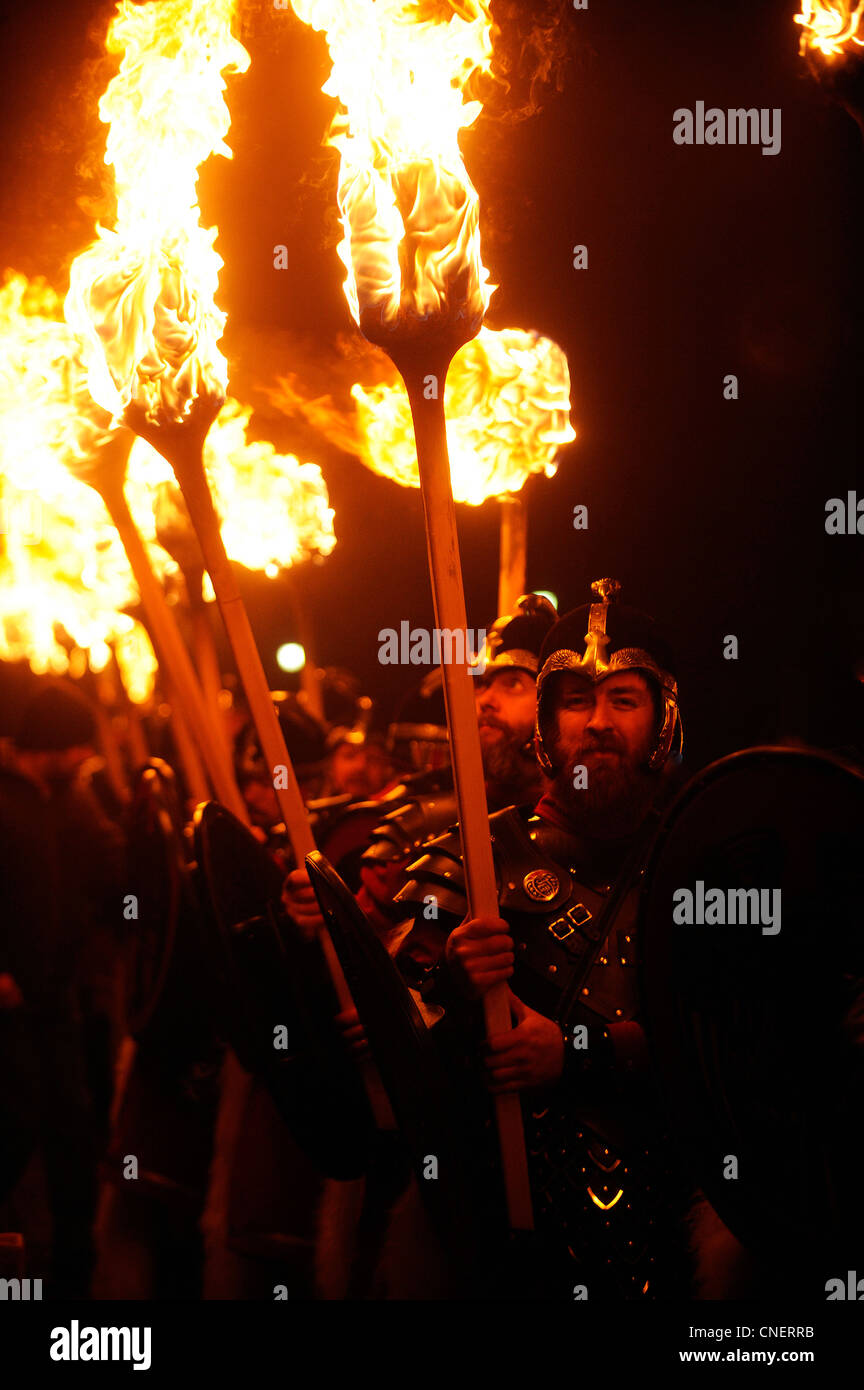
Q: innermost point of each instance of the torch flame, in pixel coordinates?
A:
(137, 662)
(142, 297)
(507, 403)
(275, 510)
(829, 28)
(410, 213)
(62, 564)
(50, 422)
(57, 593)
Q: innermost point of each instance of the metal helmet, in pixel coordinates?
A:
(514, 640)
(356, 733)
(602, 639)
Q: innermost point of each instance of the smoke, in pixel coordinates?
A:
(533, 44)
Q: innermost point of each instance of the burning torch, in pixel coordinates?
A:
(507, 410)
(832, 41)
(417, 287)
(142, 296)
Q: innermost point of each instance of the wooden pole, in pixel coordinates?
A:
(185, 454)
(114, 767)
(309, 681)
(184, 745)
(183, 446)
(512, 559)
(448, 595)
(205, 654)
(137, 748)
(137, 738)
(172, 652)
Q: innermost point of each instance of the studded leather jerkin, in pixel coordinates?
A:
(556, 917)
(608, 1206)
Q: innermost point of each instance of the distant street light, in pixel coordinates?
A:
(291, 657)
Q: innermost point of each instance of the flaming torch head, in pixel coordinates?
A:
(507, 402)
(274, 510)
(832, 42)
(831, 29)
(401, 71)
(142, 297)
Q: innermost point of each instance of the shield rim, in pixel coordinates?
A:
(666, 1038)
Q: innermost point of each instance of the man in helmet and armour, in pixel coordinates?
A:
(608, 733)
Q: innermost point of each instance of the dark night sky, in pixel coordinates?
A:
(702, 261)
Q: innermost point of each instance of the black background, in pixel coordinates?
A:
(703, 261)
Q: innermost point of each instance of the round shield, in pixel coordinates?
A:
(752, 970)
(426, 1102)
(165, 1009)
(274, 997)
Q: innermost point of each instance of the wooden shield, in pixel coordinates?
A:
(758, 1033)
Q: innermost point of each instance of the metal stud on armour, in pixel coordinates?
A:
(541, 885)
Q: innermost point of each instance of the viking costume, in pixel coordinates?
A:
(427, 807)
(602, 1196)
(410, 815)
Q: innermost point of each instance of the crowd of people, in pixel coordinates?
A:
(142, 1160)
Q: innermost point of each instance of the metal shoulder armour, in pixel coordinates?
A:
(439, 871)
(437, 779)
(342, 832)
(404, 831)
(324, 810)
(529, 880)
(530, 862)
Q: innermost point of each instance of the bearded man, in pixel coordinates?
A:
(608, 733)
(506, 703)
(505, 696)
(505, 693)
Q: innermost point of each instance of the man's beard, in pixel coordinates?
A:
(619, 791)
(512, 773)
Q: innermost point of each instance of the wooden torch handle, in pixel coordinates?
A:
(173, 652)
(189, 468)
(512, 558)
(206, 655)
(449, 601)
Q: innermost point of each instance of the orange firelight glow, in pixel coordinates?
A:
(405, 78)
(830, 28)
(57, 593)
(507, 403)
(142, 296)
(62, 567)
(275, 510)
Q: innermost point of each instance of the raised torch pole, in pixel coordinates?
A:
(107, 479)
(423, 357)
(175, 533)
(512, 558)
(182, 445)
(138, 751)
(204, 649)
